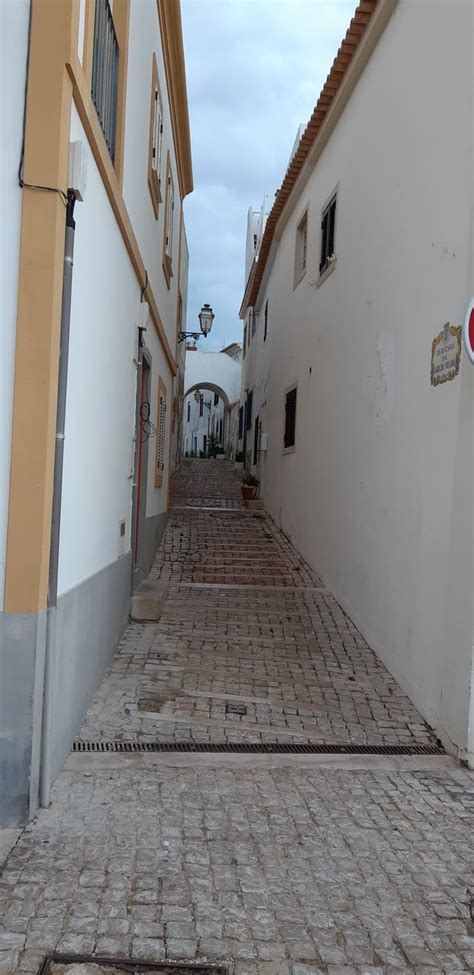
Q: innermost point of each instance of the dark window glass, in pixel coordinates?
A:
(328, 230)
(256, 439)
(201, 406)
(265, 326)
(290, 418)
(105, 68)
(189, 412)
(241, 422)
(249, 411)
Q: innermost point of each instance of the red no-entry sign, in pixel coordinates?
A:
(469, 330)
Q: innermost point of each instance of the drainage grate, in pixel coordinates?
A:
(95, 965)
(257, 748)
(239, 709)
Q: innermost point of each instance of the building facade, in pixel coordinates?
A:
(211, 403)
(363, 452)
(97, 164)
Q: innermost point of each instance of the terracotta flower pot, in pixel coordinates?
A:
(248, 492)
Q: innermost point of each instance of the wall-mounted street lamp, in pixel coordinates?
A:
(206, 318)
(198, 397)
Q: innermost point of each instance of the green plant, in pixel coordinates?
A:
(239, 457)
(212, 445)
(250, 480)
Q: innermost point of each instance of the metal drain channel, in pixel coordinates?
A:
(256, 748)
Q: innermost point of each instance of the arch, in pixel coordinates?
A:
(213, 389)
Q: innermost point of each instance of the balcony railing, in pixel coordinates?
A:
(105, 66)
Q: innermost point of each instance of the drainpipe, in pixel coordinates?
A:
(45, 764)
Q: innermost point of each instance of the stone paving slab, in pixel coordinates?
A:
(313, 871)
(291, 657)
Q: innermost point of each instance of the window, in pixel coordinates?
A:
(252, 320)
(220, 432)
(248, 410)
(245, 342)
(216, 399)
(201, 406)
(189, 412)
(300, 249)
(169, 219)
(241, 423)
(160, 433)
(204, 443)
(328, 232)
(105, 72)
(290, 419)
(265, 323)
(256, 437)
(155, 140)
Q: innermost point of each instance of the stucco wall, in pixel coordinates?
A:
(14, 16)
(144, 41)
(378, 493)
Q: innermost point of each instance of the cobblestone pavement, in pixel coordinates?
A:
(249, 646)
(268, 865)
(270, 872)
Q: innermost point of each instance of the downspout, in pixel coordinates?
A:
(45, 764)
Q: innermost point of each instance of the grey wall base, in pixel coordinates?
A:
(89, 622)
(149, 541)
(22, 650)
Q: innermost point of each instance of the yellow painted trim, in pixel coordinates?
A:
(88, 116)
(167, 259)
(88, 50)
(169, 13)
(121, 17)
(152, 175)
(54, 35)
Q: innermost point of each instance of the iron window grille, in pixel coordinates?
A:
(201, 406)
(244, 351)
(189, 412)
(241, 422)
(328, 231)
(249, 405)
(265, 324)
(105, 70)
(290, 418)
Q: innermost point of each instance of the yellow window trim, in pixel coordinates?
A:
(153, 173)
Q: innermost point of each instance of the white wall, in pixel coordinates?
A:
(14, 16)
(100, 416)
(144, 41)
(378, 493)
(215, 368)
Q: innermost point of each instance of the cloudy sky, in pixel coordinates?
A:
(254, 71)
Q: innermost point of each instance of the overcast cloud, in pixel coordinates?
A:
(254, 72)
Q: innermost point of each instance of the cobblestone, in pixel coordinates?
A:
(268, 870)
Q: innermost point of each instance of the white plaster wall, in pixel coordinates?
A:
(203, 425)
(14, 16)
(378, 494)
(144, 41)
(215, 368)
(100, 417)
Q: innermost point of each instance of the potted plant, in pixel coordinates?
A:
(249, 487)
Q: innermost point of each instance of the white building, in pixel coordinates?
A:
(365, 458)
(83, 498)
(212, 390)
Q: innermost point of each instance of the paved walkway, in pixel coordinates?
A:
(250, 646)
(270, 865)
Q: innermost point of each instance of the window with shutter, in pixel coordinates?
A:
(155, 140)
(328, 235)
(300, 249)
(169, 221)
(160, 434)
(290, 419)
(265, 324)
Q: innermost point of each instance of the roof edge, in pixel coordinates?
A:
(346, 56)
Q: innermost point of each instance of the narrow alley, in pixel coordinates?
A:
(299, 861)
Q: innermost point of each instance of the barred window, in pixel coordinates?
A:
(290, 418)
(328, 234)
(161, 434)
